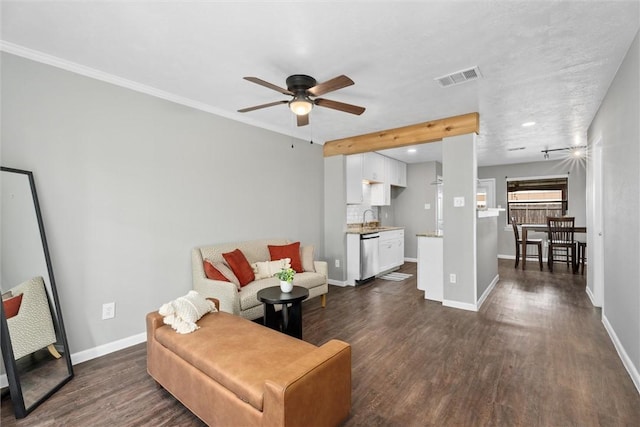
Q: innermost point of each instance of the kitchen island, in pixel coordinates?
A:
(430, 264)
(431, 277)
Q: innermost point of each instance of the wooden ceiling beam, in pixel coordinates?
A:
(420, 133)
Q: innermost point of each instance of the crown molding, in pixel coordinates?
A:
(93, 73)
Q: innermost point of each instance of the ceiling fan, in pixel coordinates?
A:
(303, 88)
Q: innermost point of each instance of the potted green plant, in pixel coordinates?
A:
(286, 278)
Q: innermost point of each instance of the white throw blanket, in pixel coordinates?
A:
(183, 313)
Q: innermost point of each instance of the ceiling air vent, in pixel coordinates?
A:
(458, 77)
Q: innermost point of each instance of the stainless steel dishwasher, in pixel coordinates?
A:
(368, 256)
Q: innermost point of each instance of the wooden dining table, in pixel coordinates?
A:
(543, 228)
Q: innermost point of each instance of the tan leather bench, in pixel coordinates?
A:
(233, 371)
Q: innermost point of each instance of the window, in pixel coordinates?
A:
(531, 201)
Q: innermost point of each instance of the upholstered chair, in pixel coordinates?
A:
(32, 328)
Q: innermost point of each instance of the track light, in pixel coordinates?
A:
(575, 151)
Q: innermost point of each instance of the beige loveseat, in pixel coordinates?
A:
(245, 302)
(234, 372)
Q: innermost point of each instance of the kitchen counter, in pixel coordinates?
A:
(367, 230)
(430, 234)
(489, 212)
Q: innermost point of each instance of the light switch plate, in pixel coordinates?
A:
(427, 206)
(458, 202)
(108, 310)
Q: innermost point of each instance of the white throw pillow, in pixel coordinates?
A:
(183, 313)
(265, 269)
(306, 257)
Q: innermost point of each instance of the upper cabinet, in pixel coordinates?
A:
(395, 172)
(373, 167)
(380, 171)
(402, 174)
(381, 194)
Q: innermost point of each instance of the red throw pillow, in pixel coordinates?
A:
(213, 273)
(291, 251)
(240, 266)
(12, 306)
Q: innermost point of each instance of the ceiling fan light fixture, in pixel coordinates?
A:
(301, 105)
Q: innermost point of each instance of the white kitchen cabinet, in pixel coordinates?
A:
(401, 170)
(354, 178)
(381, 194)
(373, 167)
(395, 172)
(398, 250)
(391, 250)
(381, 171)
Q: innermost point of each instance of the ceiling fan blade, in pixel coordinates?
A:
(341, 106)
(303, 120)
(257, 107)
(330, 85)
(269, 85)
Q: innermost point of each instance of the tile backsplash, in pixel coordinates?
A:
(354, 213)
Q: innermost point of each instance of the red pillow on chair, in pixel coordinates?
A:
(240, 266)
(291, 251)
(12, 306)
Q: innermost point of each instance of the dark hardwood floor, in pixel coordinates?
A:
(536, 354)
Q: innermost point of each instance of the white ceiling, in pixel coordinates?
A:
(542, 61)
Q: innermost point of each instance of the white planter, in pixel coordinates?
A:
(286, 287)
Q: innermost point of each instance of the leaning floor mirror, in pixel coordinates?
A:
(34, 345)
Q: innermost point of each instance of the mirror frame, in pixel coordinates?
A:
(13, 377)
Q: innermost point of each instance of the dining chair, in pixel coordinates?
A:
(582, 254)
(532, 242)
(562, 246)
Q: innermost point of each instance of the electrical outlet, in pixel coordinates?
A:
(337, 263)
(427, 206)
(452, 278)
(108, 310)
(458, 202)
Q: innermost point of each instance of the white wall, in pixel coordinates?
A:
(129, 183)
(616, 124)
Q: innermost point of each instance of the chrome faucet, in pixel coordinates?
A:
(364, 214)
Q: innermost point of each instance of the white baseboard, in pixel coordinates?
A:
(460, 305)
(104, 349)
(626, 361)
(96, 352)
(506, 256)
(487, 291)
(336, 283)
(472, 307)
(591, 297)
(411, 259)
